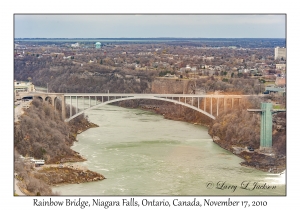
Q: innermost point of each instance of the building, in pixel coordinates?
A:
(97, 45)
(76, 45)
(23, 87)
(281, 66)
(280, 53)
(277, 90)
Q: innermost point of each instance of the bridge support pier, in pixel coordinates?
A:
(63, 108)
(266, 126)
(211, 105)
(70, 106)
(76, 104)
(217, 106)
(266, 110)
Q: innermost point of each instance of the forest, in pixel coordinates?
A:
(42, 134)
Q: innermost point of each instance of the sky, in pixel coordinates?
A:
(150, 25)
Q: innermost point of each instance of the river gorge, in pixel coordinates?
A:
(141, 153)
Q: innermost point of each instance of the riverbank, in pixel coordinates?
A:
(59, 175)
(54, 175)
(266, 162)
(65, 172)
(76, 128)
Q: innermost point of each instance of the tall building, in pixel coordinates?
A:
(280, 53)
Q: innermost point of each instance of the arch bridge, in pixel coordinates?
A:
(200, 103)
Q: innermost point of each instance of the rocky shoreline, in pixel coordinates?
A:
(61, 173)
(58, 175)
(266, 162)
(75, 130)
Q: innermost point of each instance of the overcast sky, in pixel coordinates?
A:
(149, 26)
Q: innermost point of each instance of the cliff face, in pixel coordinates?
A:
(175, 86)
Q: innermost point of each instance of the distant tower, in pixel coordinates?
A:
(280, 53)
(97, 45)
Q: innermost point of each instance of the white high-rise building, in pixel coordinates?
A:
(280, 53)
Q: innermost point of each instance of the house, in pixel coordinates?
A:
(271, 89)
(37, 163)
(194, 68)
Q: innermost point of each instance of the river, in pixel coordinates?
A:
(141, 153)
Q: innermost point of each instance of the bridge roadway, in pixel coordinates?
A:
(149, 94)
(189, 100)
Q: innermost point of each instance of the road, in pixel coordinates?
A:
(17, 189)
(18, 112)
(19, 109)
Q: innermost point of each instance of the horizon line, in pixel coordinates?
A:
(150, 38)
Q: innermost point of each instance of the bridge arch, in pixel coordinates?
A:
(39, 97)
(29, 97)
(136, 97)
(49, 99)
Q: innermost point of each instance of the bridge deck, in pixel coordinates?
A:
(153, 95)
(139, 95)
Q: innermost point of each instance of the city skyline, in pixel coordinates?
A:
(149, 25)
